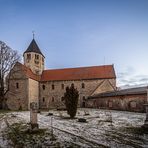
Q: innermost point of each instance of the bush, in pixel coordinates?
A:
(71, 100)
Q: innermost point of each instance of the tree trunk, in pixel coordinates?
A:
(4, 104)
(1, 101)
(2, 97)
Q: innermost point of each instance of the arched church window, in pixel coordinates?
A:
(43, 86)
(52, 86)
(83, 85)
(43, 99)
(52, 99)
(62, 86)
(17, 85)
(83, 98)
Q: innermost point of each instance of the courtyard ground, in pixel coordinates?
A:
(103, 128)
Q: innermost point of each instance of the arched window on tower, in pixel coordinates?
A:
(28, 56)
(36, 56)
(42, 59)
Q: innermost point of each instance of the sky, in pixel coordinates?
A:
(79, 33)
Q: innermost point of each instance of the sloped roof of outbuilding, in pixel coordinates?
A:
(81, 73)
(33, 47)
(130, 91)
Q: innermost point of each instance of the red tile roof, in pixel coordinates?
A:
(81, 73)
(28, 72)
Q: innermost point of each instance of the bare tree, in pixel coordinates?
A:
(8, 58)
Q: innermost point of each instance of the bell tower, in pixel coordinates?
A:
(33, 58)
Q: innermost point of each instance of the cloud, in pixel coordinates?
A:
(130, 77)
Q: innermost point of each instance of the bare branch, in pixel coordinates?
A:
(8, 58)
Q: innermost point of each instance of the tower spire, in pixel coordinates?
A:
(33, 33)
(33, 57)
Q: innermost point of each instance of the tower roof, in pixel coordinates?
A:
(33, 47)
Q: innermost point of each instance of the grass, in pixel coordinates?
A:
(2, 111)
(5, 111)
(20, 136)
(134, 130)
(131, 136)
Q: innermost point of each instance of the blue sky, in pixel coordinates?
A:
(75, 33)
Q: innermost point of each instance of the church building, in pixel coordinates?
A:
(31, 82)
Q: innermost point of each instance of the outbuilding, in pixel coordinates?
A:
(132, 99)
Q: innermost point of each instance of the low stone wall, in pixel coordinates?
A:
(126, 103)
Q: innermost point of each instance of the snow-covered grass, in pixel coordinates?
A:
(104, 128)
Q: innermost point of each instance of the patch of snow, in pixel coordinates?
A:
(103, 127)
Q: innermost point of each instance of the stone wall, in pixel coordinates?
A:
(33, 91)
(50, 97)
(17, 97)
(126, 103)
